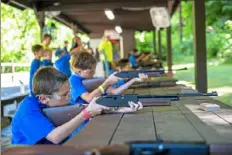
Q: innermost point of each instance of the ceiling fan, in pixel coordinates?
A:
(160, 17)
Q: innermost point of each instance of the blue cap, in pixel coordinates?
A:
(58, 52)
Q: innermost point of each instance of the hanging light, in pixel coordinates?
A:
(118, 29)
(109, 14)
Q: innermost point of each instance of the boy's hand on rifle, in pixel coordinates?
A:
(95, 109)
(142, 77)
(112, 79)
(133, 107)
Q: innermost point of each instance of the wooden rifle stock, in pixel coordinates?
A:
(92, 84)
(62, 114)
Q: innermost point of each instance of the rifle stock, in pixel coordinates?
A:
(62, 114)
(92, 84)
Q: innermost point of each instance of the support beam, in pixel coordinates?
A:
(169, 49)
(200, 45)
(154, 42)
(40, 16)
(169, 43)
(78, 5)
(159, 45)
(128, 41)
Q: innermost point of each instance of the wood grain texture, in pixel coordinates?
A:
(173, 126)
(132, 127)
(97, 132)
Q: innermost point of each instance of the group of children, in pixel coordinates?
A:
(51, 87)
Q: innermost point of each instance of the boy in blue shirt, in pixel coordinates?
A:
(36, 63)
(51, 88)
(47, 61)
(132, 58)
(62, 64)
(84, 65)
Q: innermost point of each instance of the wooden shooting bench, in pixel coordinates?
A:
(183, 121)
(10, 99)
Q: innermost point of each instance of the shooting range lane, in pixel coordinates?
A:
(183, 121)
(98, 131)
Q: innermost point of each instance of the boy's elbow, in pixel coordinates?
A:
(55, 139)
(88, 100)
(114, 92)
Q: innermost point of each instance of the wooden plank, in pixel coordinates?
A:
(217, 123)
(128, 91)
(97, 132)
(164, 108)
(226, 115)
(141, 91)
(191, 104)
(132, 127)
(173, 126)
(210, 135)
(156, 91)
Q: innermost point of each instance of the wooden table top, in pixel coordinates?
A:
(183, 121)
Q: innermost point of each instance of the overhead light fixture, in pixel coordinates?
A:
(109, 14)
(118, 29)
(52, 14)
(56, 3)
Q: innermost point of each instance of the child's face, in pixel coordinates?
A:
(61, 97)
(48, 55)
(40, 53)
(88, 73)
(48, 40)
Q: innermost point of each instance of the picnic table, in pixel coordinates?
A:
(183, 121)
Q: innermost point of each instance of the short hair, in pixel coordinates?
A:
(48, 80)
(123, 62)
(45, 36)
(36, 48)
(82, 60)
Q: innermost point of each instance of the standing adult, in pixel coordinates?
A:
(76, 44)
(106, 53)
(47, 38)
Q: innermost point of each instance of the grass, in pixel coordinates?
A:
(219, 79)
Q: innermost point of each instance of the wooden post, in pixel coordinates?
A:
(180, 22)
(154, 42)
(128, 41)
(41, 21)
(74, 28)
(159, 45)
(169, 49)
(200, 45)
(169, 43)
(12, 70)
(40, 16)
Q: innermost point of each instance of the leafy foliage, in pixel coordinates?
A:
(20, 30)
(218, 32)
